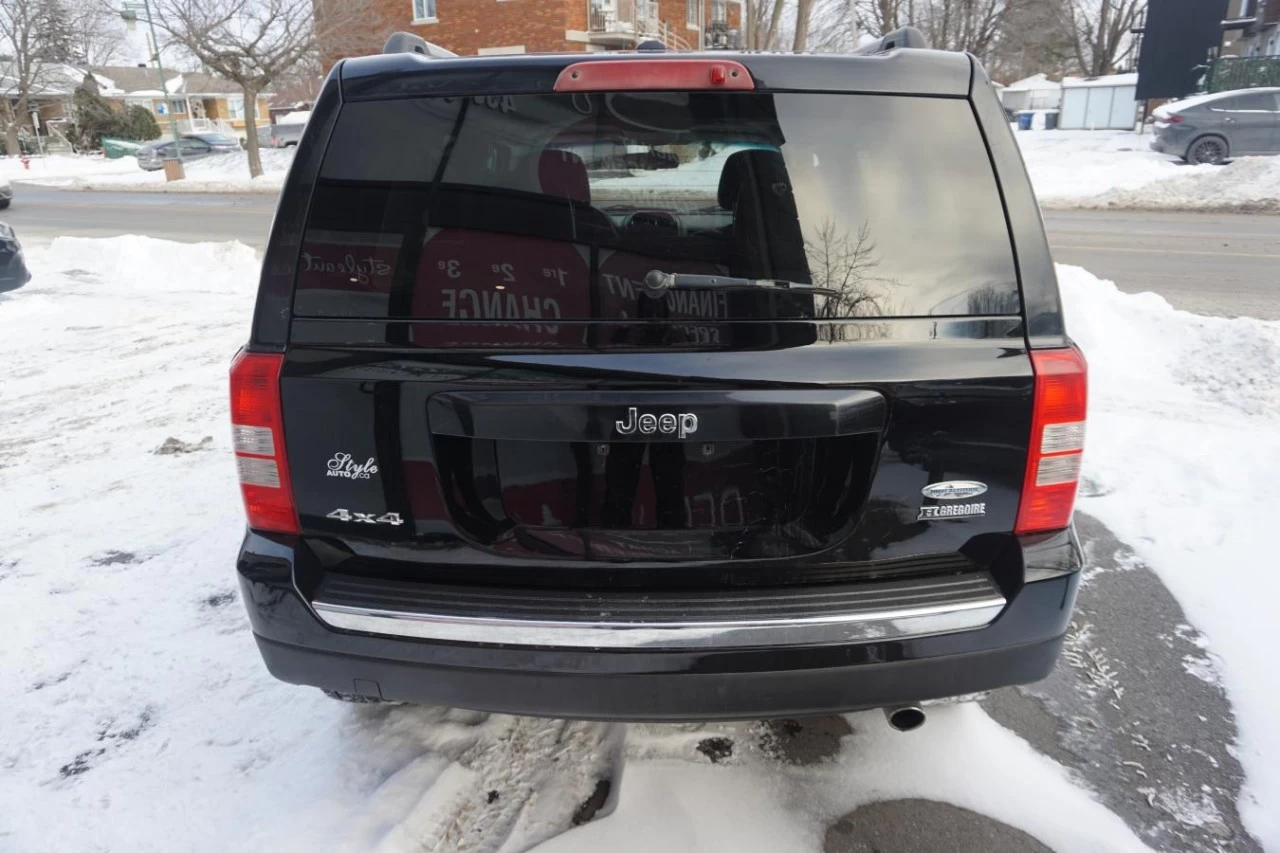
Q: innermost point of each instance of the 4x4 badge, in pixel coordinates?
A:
(954, 490)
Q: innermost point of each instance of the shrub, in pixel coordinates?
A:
(95, 118)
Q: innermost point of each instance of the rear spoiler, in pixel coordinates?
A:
(908, 37)
(409, 43)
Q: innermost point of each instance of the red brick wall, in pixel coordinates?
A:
(674, 13)
(735, 17)
(575, 14)
(465, 26)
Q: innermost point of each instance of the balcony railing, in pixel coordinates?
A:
(624, 19)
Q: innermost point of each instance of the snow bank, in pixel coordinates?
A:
(1069, 166)
(1250, 184)
(217, 174)
(1117, 169)
(41, 169)
(1182, 455)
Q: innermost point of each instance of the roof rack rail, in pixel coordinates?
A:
(409, 43)
(901, 37)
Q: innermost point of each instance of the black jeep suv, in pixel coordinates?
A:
(658, 386)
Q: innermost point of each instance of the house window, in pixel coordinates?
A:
(691, 13)
(719, 11)
(424, 10)
(235, 107)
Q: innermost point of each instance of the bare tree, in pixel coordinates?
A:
(775, 25)
(847, 264)
(96, 32)
(762, 23)
(972, 25)
(1100, 28)
(1035, 38)
(33, 39)
(254, 43)
(835, 26)
(804, 9)
(878, 17)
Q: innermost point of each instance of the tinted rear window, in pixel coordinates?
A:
(546, 207)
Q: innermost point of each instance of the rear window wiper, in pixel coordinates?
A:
(657, 283)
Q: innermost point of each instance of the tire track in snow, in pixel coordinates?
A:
(516, 781)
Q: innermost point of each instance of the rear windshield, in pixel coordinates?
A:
(555, 207)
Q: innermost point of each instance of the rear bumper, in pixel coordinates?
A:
(1170, 140)
(1021, 645)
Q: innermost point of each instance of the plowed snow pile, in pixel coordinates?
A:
(220, 173)
(138, 716)
(1247, 185)
(1117, 169)
(1182, 456)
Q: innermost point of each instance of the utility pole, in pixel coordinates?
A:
(129, 12)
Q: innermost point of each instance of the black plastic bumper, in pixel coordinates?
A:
(1021, 646)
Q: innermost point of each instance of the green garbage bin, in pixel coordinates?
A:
(117, 148)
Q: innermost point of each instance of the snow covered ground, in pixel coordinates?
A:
(63, 167)
(1117, 169)
(1069, 168)
(1183, 450)
(138, 716)
(221, 173)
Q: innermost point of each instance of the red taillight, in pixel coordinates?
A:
(1057, 440)
(257, 429)
(613, 75)
(1174, 118)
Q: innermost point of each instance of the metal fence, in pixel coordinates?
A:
(1242, 72)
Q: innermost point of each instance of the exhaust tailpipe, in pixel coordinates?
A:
(905, 718)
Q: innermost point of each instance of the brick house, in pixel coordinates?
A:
(486, 27)
(197, 101)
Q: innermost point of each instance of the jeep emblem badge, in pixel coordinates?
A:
(680, 424)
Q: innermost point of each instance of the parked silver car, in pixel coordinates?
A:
(1214, 128)
(194, 146)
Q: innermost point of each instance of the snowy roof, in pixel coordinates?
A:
(1035, 81)
(134, 80)
(53, 80)
(1109, 80)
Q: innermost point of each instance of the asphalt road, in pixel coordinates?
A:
(1211, 263)
(40, 214)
